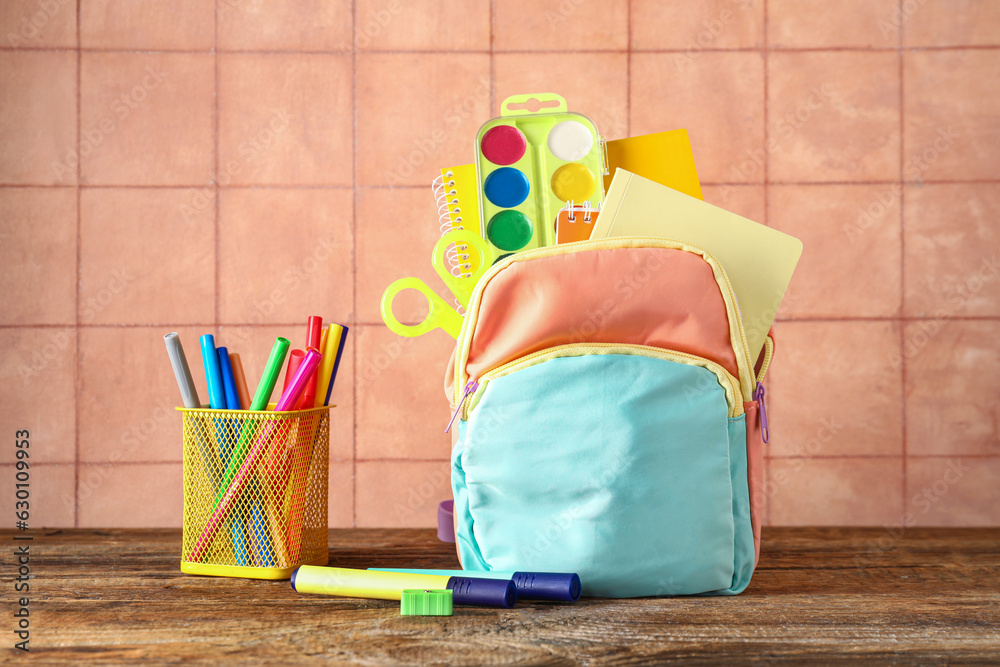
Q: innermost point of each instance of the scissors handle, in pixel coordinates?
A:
(439, 313)
(463, 285)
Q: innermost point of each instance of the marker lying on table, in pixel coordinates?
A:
(390, 585)
(558, 586)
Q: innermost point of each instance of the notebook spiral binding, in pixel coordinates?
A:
(457, 256)
(587, 211)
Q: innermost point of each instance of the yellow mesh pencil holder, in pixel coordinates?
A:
(255, 487)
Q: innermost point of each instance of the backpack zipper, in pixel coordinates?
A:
(758, 395)
(475, 388)
(470, 387)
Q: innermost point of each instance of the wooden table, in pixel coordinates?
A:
(833, 595)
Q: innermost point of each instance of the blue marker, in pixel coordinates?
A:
(228, 380)
(217, 401)
(559, 586)
(213, 374)
(240, 538)
(260, 533)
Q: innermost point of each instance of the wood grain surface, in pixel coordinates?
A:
(929, 596)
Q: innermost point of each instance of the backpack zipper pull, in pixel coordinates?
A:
(470, 387)
(758, 395)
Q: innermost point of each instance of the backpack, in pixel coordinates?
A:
(610, 421)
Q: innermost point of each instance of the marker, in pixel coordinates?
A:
(558, 586)
(271, 372)
(241, 543)
(262, 541)
(294, 359)
(390, 585)
(304, 440)
(189, 394)
(338, 336)
(328, 344)
(230, 494)
(213, 374)
(227, 447)
(241, 380)
(314, 334)
(228, 380)
(216, 394)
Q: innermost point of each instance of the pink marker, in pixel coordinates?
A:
(287, 401)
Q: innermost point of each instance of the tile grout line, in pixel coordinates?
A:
(175, 323)
(834, 457)
(628, 73)
(493, 82)
(313, 186)
(902, 266)
(767, 188)
(354, 250)
(868, 457)
(77, 381)
(451, 52)
(215, 175)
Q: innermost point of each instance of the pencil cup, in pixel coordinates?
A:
(255, 487)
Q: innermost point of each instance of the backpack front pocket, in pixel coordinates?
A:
(614, 462)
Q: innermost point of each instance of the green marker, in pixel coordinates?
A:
(260, 399)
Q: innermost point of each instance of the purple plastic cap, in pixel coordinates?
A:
(446, 521)
(483, 592)
(562, 587)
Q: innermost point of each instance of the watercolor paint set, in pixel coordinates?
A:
(529, 162)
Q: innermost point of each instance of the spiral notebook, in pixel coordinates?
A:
(456, 194)
(575, 223)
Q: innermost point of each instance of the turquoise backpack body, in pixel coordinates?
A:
(609, 421)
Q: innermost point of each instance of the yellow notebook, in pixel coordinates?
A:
(664, 157)
(758, 260)
(457, 195)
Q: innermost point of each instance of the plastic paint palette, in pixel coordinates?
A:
(529, 163)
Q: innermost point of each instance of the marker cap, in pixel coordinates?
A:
(189, 394)
(547, 586)
(483, 592)
(421, 602)
(559, 586)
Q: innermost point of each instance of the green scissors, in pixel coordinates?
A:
(440, 314)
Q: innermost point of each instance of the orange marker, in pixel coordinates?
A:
(241, 380)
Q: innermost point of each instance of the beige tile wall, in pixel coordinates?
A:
(174, 165)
